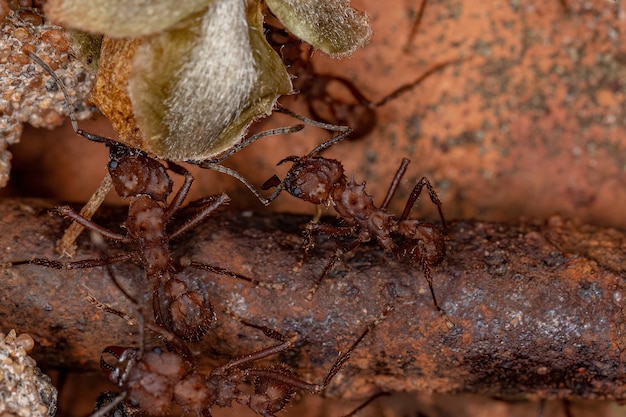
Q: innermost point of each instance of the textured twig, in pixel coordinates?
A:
(537, 308)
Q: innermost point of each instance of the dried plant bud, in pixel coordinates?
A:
(184, 82)
(190, 92)
(330, 25)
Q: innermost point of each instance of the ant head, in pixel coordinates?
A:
(163, 370)
(312, 179)
(134, 173)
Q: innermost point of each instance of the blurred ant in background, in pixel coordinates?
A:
(319, 89)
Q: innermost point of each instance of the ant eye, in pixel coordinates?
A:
(296, 192)
(113, 164)
(133, 402)
(157, 350)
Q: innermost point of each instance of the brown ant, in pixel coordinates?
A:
(185, 312)
(152, 380)
(319, 180)
(135, 175)
(317, 88)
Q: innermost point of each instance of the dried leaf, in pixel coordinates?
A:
(330, 25)
(195, 88)
(121, 18)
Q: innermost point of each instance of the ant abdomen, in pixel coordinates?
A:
(271, 396)
(189, 315)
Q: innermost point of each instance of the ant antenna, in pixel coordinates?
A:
(60, 84)
(416, 25)
(311, 122)
(330, 142)
(65, 244)
(394, 184)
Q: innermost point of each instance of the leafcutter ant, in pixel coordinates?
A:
(135, 175)
(152, 380)
(319, 180)
(319, 89)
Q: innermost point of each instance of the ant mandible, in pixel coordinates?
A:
(151, 381)
(319, 180)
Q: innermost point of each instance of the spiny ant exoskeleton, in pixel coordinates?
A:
(146, 182)
(152, 380)
(320, 180)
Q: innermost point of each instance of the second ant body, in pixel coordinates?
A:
(153, 380)
(326, 94)
(319, 180)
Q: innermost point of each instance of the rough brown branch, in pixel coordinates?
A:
(538, 308)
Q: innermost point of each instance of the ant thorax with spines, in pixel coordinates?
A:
(320, 180)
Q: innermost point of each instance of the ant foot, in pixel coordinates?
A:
(270, 285)
(297, 267)
(446, 320)
(312, 291)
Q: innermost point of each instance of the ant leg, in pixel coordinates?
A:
(172, 341)
(210, 205)
(65, 245)
(542, 405)
(67, 212)
(394, 184)
(311, 122)
(366, 403)
(429, 279)
(83, 264)
(223, 271)
(408, 87)
(416, 25)
(336, 257)
(238, 176)
(325, 229)
(263, 353)
(567, 407)
(415, 195)
(183, 191)
(339, 362)
(246, 142)
(330, 142)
